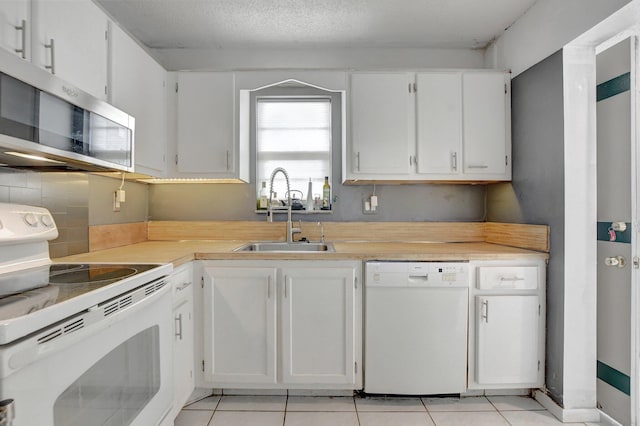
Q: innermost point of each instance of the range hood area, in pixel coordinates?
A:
(47, 124)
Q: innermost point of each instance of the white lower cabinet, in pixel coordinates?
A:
(183, 337)
(507, 323)
(284, 324)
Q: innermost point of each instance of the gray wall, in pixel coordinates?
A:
(536, 193)
(76, 201)
(397, 202)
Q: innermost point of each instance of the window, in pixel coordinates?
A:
(293, 133)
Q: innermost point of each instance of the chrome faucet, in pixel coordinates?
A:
(321, 232)
(290, 229)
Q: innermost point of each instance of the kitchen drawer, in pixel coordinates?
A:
(507, 278)
(181, 283)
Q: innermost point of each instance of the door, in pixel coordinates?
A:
(79, 31)
(205, 124)
(615, 172)
(484, 129)
(439, 123)
(137, 87)
(507, 330)
(382, 120)
(239, 327)
(318, 314)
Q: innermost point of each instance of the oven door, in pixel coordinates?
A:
(114, 371)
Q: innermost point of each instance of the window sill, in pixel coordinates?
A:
(284, 211)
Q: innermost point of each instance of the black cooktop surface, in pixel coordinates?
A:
(29, 290)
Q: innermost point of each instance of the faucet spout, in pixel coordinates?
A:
(290, 229)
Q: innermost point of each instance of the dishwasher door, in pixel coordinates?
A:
(416, 328)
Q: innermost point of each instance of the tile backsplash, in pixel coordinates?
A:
(66, 195)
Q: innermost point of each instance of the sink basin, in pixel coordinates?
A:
(283, 247)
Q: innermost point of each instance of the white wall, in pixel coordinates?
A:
(369, 58)
(544, 29)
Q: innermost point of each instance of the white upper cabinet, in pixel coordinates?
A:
(439, 123)
(428, 126)
(381, 123)
(15, 27)
(69, 39)
(138, 87)
(486, 131)
(206, 143)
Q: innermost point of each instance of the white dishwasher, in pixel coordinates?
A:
(416, 327)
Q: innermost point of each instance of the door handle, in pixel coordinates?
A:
(618, 261)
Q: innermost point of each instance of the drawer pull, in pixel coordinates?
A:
(178, 332)
(182, 286)
(511, 279)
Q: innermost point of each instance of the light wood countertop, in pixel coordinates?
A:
(183, 251)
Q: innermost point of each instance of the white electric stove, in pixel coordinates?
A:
(79, 343)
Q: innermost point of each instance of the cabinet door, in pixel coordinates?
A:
(79, 31)
(239, 326)
(205, 124)
(183, 362)
(439, 123)
(485, 127)
(382, 118)
(137, 87)
(318, 325)
(12, 13)
(507, 330)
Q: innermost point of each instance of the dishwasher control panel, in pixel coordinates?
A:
(417, 274)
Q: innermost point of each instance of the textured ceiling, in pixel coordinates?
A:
(230, 24)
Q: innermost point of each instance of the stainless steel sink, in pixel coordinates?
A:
(283, 247)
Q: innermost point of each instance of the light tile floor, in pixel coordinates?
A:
(370, 411)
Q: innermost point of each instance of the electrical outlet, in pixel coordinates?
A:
(366, 206)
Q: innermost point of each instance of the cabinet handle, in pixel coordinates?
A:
(23, 49)
(182, 286)
(411, 160)
(477, 166)
(358, 161)
(178, 320)
(286, 282)
(52, 46)
(227, 159)
(454, 161)
(269, 287)
(512, 279)
(485, 311)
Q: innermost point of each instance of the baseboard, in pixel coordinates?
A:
(565, 415)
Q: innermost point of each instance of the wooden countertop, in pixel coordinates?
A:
(183, 251)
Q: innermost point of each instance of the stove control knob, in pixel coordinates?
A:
(31, 219)
(46, 220)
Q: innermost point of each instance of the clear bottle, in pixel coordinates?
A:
(326, 194)
(263, 200)
(309, 205)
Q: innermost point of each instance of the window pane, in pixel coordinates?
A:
(294, 134)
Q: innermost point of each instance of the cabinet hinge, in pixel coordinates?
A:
(203, 365)
(505, 88)
(409, 87)
(202, 282)
(176, 159)
(506, 160)
(106, 90)
(415, 88)
(355, 367)
(539, 309)
(538, 365)
(106, 35)
(176, 87)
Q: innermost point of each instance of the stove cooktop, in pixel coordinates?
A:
(27, 291)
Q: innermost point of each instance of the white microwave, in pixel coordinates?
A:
(47, 123)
